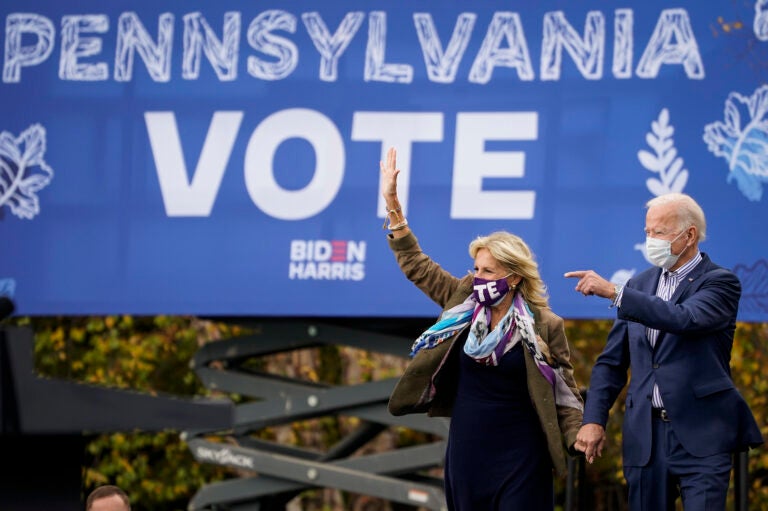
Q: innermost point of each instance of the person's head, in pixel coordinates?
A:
(674, 225)
(501, 254)
(108, 498)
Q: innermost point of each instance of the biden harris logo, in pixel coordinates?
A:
(327, 260)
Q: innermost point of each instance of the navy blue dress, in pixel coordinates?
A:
(497, 457)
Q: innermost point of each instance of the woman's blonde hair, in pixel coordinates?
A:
(513, 253)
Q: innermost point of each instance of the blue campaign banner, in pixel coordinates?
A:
(222, 158)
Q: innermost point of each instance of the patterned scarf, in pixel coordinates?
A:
(450, 322)
(488, 347)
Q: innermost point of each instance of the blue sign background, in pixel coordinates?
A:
(269, 152)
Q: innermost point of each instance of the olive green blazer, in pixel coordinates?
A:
(428, 383)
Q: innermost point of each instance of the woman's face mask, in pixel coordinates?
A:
(490, 292)
(659, 251)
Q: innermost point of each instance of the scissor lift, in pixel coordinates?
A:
(45, 424)
(283, 471)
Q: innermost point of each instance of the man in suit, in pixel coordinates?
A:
(674, 332)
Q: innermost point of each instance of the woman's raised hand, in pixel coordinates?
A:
(389, 172)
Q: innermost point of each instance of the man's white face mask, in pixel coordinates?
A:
(659, 251)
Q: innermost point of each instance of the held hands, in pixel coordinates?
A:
(590, 283)
(590, 440)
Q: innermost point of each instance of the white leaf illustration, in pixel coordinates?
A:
(648, 160)
(760, 25)
(641, 248)
(620, 277)
(655, 186)
(742, 140)
(23, 171)
(664, 159)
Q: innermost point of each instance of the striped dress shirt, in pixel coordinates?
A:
(668, 282)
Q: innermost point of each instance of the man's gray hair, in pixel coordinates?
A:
(688, 211)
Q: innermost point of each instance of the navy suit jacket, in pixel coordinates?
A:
(690, 363)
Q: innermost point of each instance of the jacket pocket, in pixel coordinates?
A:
(711, 387)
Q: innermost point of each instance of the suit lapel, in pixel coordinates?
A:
(651, 283)
(683, 287)
(647, 285)
(694, 274)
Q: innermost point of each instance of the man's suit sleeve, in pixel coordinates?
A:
(709, 305)
(609, 375)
